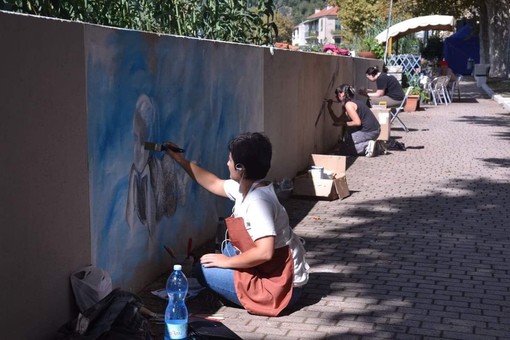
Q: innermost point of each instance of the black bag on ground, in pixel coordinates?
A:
(116, 317)
(396, 146)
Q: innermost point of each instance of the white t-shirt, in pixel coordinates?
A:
(264, 216)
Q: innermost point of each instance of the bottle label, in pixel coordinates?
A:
(177, 330)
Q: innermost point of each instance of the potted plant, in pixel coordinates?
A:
(413, 100)
(370, 48)
(419, 94)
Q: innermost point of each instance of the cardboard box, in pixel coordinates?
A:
(383, 116)
(305, 185)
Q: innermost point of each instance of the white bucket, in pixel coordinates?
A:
(326, 174)
(316, 172)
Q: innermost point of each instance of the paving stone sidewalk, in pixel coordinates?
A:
(421, 248)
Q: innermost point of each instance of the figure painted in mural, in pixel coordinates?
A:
(265, 271)
(363, 128)
(153, 190)
(388, 90)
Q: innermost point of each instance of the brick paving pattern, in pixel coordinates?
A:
(421, 248)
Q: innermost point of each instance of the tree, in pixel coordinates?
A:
(434, 49)
(365, 18)
(456, 8)
(495, 36)
(302, 9)
(285, 28)
(356, 16)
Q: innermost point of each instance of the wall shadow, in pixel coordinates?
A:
(412, 260)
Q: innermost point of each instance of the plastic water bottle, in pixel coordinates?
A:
(176, 315)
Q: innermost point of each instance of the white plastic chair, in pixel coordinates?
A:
(455, 86)
(439, 91)
(394, 115)
(431, 85)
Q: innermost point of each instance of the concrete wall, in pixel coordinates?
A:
(70, 93)
(295, 113)
(44, 188)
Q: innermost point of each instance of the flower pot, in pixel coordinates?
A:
(366, 54)
(412, 103)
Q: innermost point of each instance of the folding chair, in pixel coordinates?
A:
(394, 114)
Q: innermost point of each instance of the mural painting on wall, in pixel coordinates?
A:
(148, 88)
(153, 186)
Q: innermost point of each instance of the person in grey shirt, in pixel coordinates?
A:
(362, 125)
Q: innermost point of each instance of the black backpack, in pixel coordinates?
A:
(116, 317)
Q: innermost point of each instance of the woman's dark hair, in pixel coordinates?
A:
(372, 71)
(252, 151)
(346, 89)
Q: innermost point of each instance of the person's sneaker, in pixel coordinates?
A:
(370, 150)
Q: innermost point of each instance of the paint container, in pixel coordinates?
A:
(316, 171)
(326, 174)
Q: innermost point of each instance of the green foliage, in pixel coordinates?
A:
(228, 20)
(409, 44)
(418, 89)
(370, 44)
(456, 8)
(367, 41)
(285, 28)
(356, 15)
(434, 49)
(302, 9)
(313, 47)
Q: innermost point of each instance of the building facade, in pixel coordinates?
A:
(322, 27)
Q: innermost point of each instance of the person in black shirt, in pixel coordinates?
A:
(362, 125)
(389, 89)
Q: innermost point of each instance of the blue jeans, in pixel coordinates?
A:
(221, 280)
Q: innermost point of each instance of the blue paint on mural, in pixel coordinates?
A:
(140, 88)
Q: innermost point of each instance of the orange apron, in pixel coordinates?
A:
(267, 288)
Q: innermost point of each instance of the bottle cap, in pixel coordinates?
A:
(177, 267)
